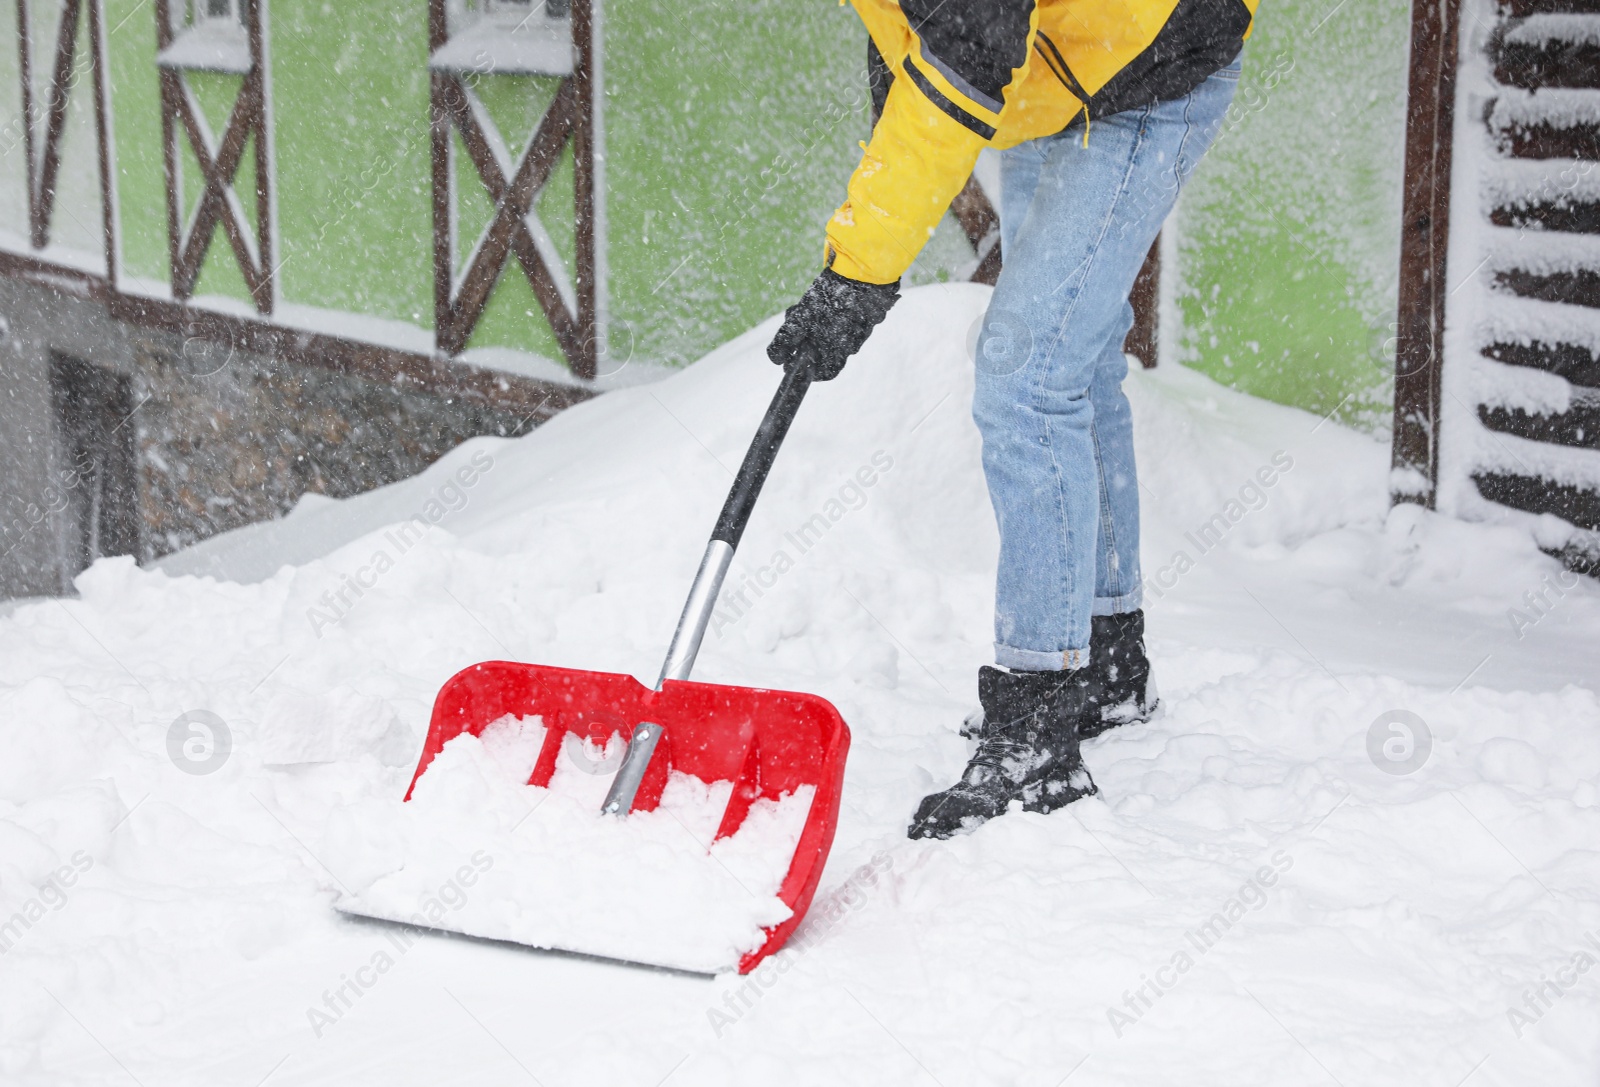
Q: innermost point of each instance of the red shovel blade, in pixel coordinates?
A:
(768, 743)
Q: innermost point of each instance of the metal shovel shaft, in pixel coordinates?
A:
(714, 566)
(731, 523)
(625, 786)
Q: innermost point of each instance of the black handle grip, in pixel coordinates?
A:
(763, 451)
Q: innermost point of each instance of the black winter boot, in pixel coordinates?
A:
(1120, 687)
(1028, 751)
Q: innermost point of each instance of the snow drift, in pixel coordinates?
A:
(1276, 885)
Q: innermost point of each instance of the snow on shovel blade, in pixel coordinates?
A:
(772, 763)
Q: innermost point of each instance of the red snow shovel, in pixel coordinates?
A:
(767, 743)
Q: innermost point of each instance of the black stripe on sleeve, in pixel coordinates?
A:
(955, 112)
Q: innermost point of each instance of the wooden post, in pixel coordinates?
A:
(1142, 340)
(586, 357)
(1424, 245)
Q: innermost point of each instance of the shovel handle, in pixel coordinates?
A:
(762, 452)
(731, 523)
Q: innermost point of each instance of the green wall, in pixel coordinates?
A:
(1288, 236)
(730, 131)
(350, 108)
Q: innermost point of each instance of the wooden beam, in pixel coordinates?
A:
(584, 355)
(102, 128)
(981, 224)
(43, 188)
(1142, 341)
(266, 242)
(433, 374)
(442, 158)
(1424, 246)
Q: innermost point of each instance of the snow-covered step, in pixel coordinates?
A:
(1525, 323)
(1557, 50)
(1554, 195)
(1577, 427)
(1552, 28)
(1552, 124)
(1545, 265)
(1541, 251)
(1539, 370)
(1487, 380)
(1532, 403)
(1535, 494)
(1509, 181)
(1579, 366)
(1521, 9)
(1502, 452)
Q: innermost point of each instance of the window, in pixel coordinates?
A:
(206, 11)
(93, 409)
(504, 11)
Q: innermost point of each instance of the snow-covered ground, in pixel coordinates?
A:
(1357, 847)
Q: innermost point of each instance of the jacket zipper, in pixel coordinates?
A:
(1058, 67)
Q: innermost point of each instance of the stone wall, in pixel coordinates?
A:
(222, 438)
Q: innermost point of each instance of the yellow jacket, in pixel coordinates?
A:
(969, 74)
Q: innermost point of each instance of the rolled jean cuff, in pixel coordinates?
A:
(1039, 660)
(1119, 605)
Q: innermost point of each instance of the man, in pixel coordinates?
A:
(1102, 109)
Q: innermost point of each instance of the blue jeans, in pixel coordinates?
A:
(1075, 224)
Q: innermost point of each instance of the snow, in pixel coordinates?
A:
(1524, 181)
(1559, 107)
(1544, 30)
(543, 867)
(211, 45)
(1542, 252)
(1528, 320)
(1357, 845)
(514, 46)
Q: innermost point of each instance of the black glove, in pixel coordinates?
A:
(831, 322)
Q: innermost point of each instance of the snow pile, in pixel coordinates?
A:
(1358, 844)
(479, 851)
